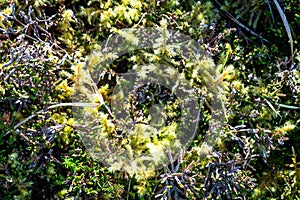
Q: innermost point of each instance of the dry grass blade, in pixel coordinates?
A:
(78, 104)
(286, 25)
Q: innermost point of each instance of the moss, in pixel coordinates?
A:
(43, 52)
